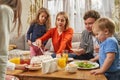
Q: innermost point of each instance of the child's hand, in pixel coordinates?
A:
(97, 71)
(21, 66)
(29, 42)
(93, 60)
(38, 43)
(96, 48)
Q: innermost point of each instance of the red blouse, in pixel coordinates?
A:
(60, 42)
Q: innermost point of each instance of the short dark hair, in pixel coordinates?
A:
(91, 14)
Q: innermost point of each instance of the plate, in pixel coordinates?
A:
(85, 64)
(30, 67)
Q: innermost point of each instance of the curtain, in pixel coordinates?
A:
(116, 15)
(34, 7)
(77, 8)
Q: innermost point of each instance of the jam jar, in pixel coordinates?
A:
(25, 58)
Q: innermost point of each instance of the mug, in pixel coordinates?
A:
(71, 68)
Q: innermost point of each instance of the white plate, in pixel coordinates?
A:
(93, 64)
(30, 67)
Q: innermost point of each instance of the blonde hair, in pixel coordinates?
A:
(48, 21)
(105, 23)
(66, 18)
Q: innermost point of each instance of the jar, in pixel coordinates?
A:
(25, 58)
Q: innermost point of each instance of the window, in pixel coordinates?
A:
(77, 8)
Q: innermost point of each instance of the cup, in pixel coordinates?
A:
(25, 58)
(62, 62)
(15, 60)
(71, 68)
(65, 55)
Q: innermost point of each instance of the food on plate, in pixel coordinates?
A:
(36, 65)
(85, 64)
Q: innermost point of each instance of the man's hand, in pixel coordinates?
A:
(78, 51)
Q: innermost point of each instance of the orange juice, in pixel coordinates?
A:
(65, 55)
(15, 60)
(62, 62)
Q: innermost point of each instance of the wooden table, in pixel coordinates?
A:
(37, 75)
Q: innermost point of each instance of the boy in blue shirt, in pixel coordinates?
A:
(108, 55)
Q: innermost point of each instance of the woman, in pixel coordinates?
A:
(10, 12)
(61, 35)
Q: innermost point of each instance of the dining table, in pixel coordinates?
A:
(57, 75)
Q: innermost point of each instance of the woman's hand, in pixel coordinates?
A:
(58, 55)
(38, 43)
(21, 66)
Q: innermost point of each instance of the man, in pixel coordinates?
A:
(86, 50)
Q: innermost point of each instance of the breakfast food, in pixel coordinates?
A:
(36, 65)
(85, 64)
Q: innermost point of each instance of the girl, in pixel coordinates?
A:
(61, 35)
(108, 55)
(38, 28)
(10, 13)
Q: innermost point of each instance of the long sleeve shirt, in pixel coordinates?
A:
(10, 65)
(35, 31)
(6, 18)
(87, 41)
(60, 42)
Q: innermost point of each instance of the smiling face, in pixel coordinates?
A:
(89, 23)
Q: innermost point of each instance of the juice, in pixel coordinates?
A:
(65, 55)
(25, 61)
(62, 62)
(15, 60)
(25, 58)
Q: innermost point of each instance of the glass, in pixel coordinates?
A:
(62, 62)
(25, 58)
(65, 55)
(15, 60)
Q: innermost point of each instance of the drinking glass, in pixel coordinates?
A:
(25, 58)
(65, 55)
(62, 62)
(15, 60)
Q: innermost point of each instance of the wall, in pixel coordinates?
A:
(14, 39)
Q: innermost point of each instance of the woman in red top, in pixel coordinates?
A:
(61, 35)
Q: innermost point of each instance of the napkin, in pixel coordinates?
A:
(40, 59)
(49, 66)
